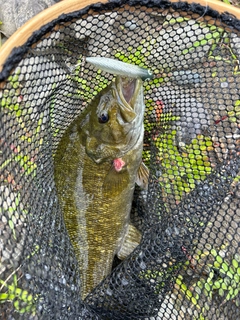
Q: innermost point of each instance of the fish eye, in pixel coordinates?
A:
(103, 118)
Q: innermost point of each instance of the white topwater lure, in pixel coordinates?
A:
(120, 68)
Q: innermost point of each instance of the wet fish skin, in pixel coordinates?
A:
(95, 197)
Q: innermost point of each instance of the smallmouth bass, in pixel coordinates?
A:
(97, 163)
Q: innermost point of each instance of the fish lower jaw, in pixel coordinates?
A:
(100, 158)
(97, 160)
(95, 157)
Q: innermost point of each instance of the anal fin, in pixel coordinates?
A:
(130, 241)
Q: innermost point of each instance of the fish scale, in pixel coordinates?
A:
(95, 197)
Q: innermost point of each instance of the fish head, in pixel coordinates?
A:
(115, 120)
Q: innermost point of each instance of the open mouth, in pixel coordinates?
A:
(127, 91)
(128, 88)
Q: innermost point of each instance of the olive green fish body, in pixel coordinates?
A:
(95, 196)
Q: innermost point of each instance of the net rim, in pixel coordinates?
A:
(64, 7)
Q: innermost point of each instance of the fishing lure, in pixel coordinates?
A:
(120, 68)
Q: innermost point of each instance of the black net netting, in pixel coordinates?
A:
(187, 265)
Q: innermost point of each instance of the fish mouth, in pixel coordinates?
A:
(125, 126)
(128, 87)
(127, 91)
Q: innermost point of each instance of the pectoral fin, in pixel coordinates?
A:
(130, 241)
(116, 181)
(142, 176)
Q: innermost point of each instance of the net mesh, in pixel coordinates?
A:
(187, 265)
